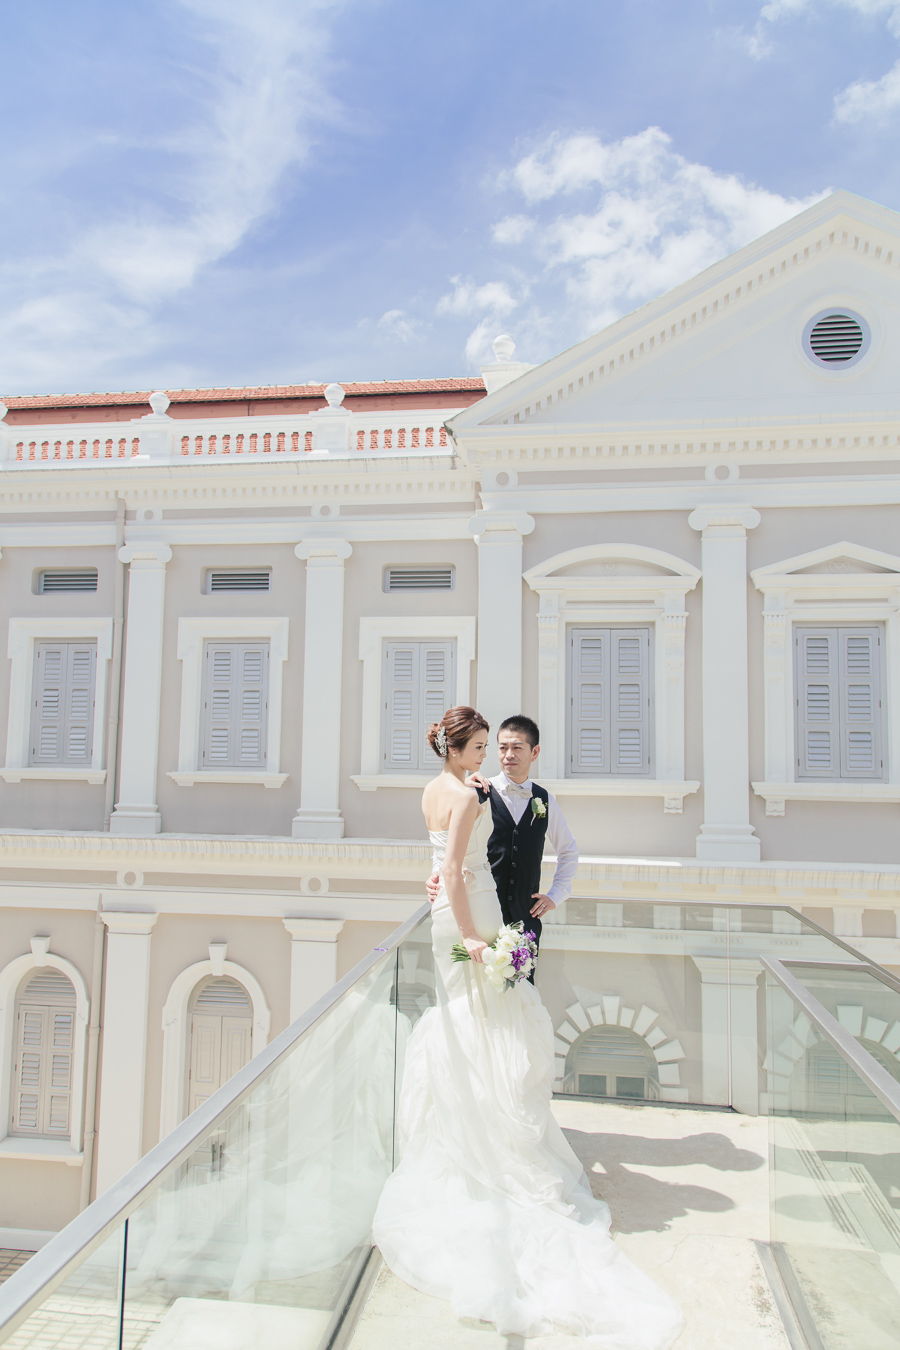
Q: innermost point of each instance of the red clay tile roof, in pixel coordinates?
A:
(465, 384)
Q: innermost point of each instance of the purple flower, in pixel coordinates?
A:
(519, 957)
(530, 937)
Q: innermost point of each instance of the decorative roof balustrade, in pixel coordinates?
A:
(332, 431)
(220, 439)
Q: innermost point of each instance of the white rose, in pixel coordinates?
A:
(502, 960)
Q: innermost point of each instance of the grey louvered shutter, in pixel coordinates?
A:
(418, 683)
(589, 701)
(62, 723)
(436, 677)
(235, 705)
(401, 706)
(630, 700)
(860, 669)
(818, 703)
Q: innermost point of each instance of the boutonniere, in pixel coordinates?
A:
(538, 809)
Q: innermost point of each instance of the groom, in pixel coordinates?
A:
(524, 815)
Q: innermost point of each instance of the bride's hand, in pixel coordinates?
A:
(474, 946)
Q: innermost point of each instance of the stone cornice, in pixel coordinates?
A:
(618, 878)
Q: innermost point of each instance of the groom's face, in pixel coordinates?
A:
(517, 755)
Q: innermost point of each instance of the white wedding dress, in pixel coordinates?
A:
(489, 1207)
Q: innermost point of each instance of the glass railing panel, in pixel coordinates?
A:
(835, 1186)
(754, 932)
(85, 1309)
(866, 1002)
(665, 1000)
(264, 1228)
(623, 982)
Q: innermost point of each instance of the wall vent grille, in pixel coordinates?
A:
(223, 991)
(418, 579)
(837, 337)
(48, 986)
(53, 582)
(244, 579)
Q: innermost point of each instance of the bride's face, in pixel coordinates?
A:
(471, 757)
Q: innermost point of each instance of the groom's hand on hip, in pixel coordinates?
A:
(542, 905)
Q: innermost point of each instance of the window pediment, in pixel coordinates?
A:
(612, 566)
(836, 565)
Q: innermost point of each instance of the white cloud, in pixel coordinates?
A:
(511, 229)
(869, 100)
(658, 220)
(467, 298)
(397, 324)
(863, 100)
(259, 97)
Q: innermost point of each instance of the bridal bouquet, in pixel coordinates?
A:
(510, 957)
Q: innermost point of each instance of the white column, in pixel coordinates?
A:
(499, 685)
(313, 960)
(319, 814)
(848, 919)
(729, 1030)
(726, 833)
(123, 1065)
(136, 811)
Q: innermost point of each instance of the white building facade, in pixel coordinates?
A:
(229, 621)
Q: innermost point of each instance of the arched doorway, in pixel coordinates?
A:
(44, 1051)
(221, 1020)
(610, 1061)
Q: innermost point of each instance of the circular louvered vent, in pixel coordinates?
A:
(836, 339)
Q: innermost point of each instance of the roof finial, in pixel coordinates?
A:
(503, 348)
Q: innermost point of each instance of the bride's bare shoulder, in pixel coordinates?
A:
(443, 797)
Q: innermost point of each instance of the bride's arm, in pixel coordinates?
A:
(463, 816)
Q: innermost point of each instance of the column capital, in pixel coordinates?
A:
(728, 521)
(491, 523)
(314, 930)
(323, 551)
(149, 556)
(130, 922)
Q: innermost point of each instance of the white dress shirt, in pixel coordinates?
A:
(516, 797)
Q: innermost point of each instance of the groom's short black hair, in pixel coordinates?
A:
(523, 724)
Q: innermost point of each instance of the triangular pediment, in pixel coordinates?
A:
(731, 346)
(837, 561)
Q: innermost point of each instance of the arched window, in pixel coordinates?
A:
(610, 1061)
(43, 1075)
(830, 1086)
(221, 1021)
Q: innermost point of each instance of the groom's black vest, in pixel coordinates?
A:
(515, 853)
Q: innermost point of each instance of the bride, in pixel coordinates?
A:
(489, 1207)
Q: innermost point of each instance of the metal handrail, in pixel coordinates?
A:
(45, 1271)
(874, 1075)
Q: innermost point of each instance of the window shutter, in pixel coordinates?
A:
(589, 701)
(436, 660)
(630, 701)
(418, 684)
(818, 703)
(235, 705)
(401, 705)
(860, 665)
(839, 723)
(45, 1042)
(62, 726)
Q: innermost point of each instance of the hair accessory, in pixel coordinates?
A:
(440, 741)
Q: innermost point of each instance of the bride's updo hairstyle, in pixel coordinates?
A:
(456, 727)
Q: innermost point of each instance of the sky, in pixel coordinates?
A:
(216, 192)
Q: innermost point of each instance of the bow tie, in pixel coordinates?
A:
(518, 789)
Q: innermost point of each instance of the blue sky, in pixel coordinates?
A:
(221, 192)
